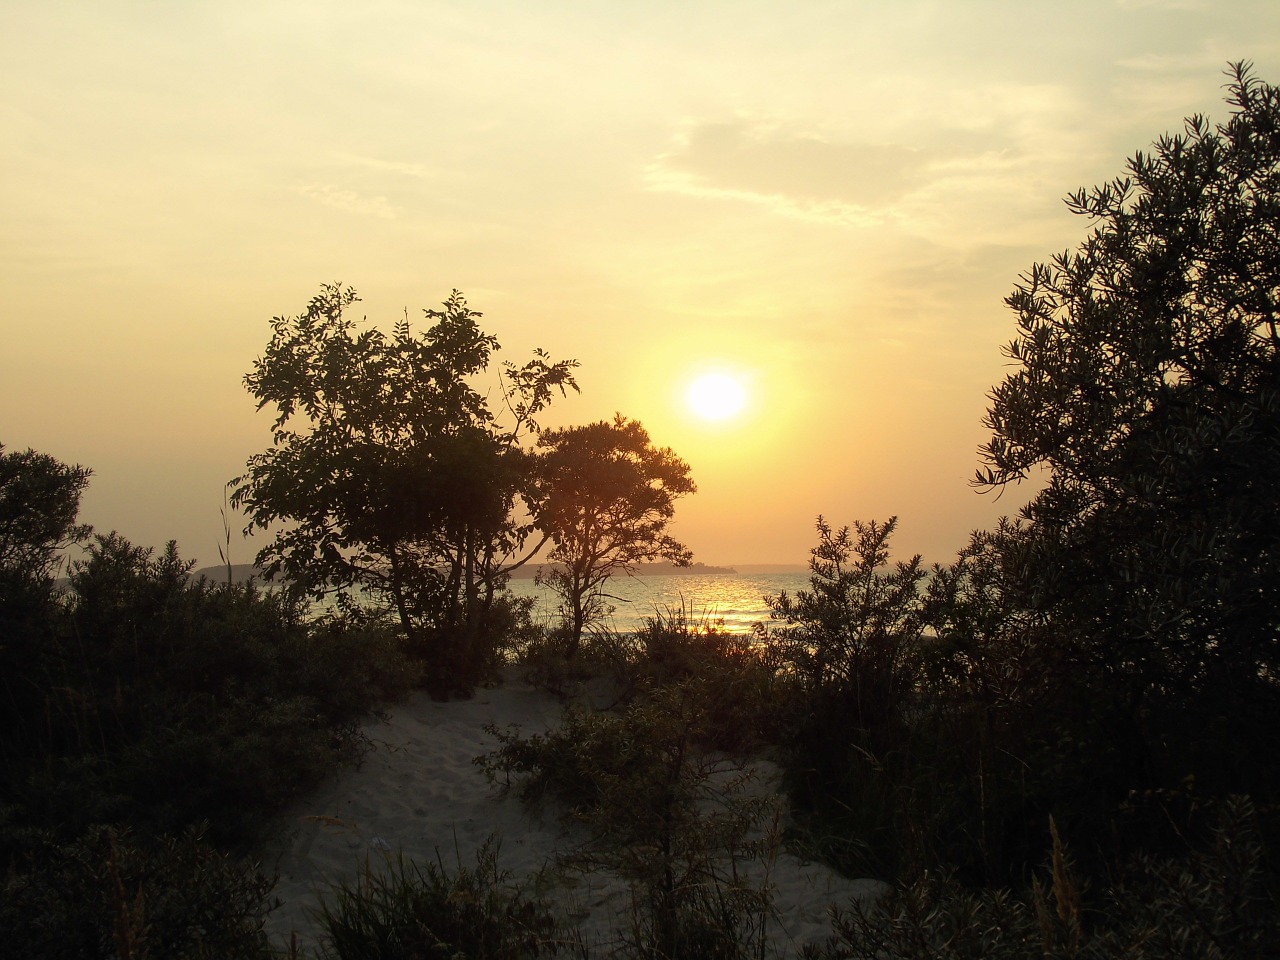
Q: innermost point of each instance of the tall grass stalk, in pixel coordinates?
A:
(399, 908)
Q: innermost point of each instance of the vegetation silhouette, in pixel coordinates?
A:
(390, 473)
(151, 723)
(1108, 658)
(1147, 364)
(608, 496)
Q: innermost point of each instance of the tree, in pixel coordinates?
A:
(848, 659)
(391, 474)
(608, 496)
(854, 635)
(1148, 390)
(39, 502)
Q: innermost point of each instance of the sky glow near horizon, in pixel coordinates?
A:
(833, 196)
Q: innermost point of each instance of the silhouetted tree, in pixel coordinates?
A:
(1148, 390)
(391, 473)
(853, 637)
(607, 498)
(39, 502)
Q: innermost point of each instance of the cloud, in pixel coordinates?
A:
(418, 171)
(348, 200)
(981, 145)
(844, 214)
(1173, 63)
(799, 175)
(1162, 4)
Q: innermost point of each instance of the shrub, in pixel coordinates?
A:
(849, 654)
(163, 701)
(114, 896)
(673, 819)
(735, 675)
(402, 909)
(1210, 904)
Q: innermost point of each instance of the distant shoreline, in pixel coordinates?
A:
(242, 572)
(530, 570)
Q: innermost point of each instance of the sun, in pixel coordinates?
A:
(716, 396)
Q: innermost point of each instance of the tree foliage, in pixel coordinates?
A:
(146, 716)
(391, 473)
(39, 502)
(608, 495)
(854, 634)
(849, 651)
(1211, 903)
(1147, 388)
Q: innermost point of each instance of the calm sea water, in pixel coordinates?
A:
(734, 601)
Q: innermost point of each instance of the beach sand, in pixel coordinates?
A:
(418, 792)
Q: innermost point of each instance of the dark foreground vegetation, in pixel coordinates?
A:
(1059, 745)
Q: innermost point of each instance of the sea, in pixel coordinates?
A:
(732, 602)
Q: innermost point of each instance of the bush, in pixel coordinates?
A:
(402, 909)
(734, 674)
(673, 819)
(163, 701)
(1211, 904)
(544, 660)
(113, 896)
(849, 656)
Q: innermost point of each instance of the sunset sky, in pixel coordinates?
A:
(828, 200)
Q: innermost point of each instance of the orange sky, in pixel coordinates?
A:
(831, 198)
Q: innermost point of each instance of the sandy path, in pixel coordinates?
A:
(419, 792)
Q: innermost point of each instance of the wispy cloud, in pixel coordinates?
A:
(348, 200)
(982, 148)
(1171, 63)
(797, 175)
(1163, 4)
(418, 171)
(663, 180)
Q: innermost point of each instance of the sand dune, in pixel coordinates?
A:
(418, 792)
